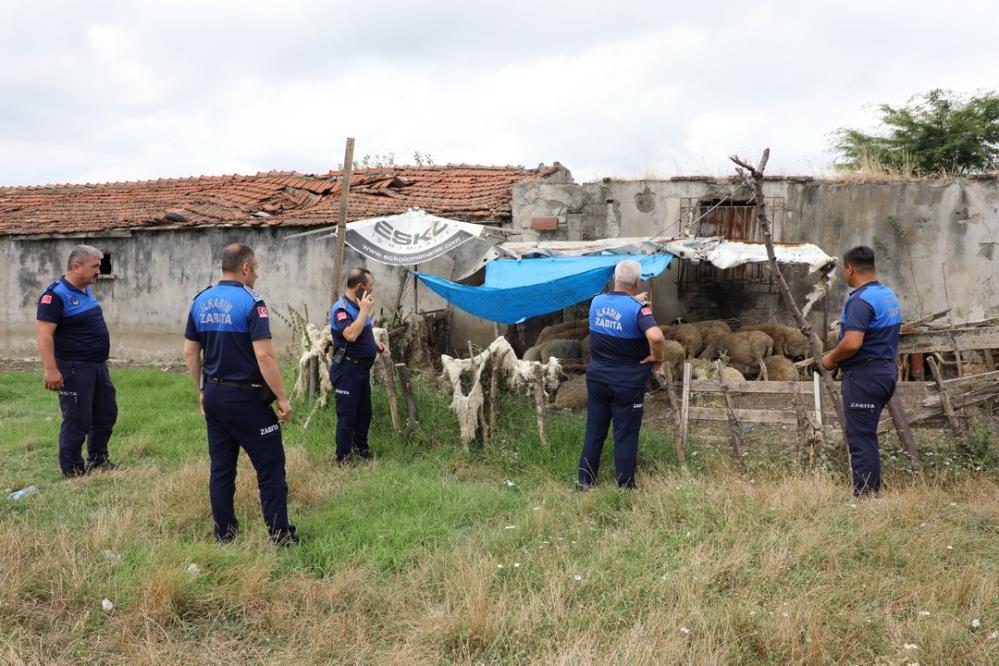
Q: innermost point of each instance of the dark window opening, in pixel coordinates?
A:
(106, 264)
(746, 291)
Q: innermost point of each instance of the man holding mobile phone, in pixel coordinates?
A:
(355, 351)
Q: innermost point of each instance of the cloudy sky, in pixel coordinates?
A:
(102, 90)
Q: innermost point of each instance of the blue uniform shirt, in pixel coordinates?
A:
(874, 310)
(343, 314)
(226, 319)
(617, 339)
(81, 333)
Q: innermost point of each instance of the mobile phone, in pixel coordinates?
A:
(360, 295)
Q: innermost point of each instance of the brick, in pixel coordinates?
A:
(544, 223)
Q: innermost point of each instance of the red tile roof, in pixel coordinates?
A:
(470, 193)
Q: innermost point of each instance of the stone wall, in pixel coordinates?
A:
(920, 230)
(157, 273)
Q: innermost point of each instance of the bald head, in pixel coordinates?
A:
(239, 263)
(358, 277)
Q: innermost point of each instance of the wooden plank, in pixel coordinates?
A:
(901, 424)
(816, 382)
(735, 436)
(925, 320)
(947, 340)
(341, 225)
(944, 396)
(787, 388)
(786, 416)
(934, 411)
(684, 409)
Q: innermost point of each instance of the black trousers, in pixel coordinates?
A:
(352, 388)
(867, 388)
(237, 418)
(89, 411)
(624, 405)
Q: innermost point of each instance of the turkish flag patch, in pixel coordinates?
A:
(646, 311)
(47, 299)
(262, 311)
(341, 315)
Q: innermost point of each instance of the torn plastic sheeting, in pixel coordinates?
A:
(533, 287)
(728, 254)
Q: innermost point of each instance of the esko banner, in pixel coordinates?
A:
(408, 239)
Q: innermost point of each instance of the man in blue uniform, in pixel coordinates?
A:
(74, 344)
(355, 351)
(625, 346)
(238, 380)
(868, 344)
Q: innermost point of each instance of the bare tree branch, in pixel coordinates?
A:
(754, 180)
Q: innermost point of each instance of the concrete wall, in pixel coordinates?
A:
(157, 273)
(920, 230)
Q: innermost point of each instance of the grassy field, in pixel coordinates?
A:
(434, 555)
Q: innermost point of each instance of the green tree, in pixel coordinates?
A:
(937, 133)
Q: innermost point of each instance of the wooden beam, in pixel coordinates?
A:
(684, 412)
(785, 416)
(946, 340)
(901, 423)
(786, 388)
(341, 227)
(734, 434)
(753, 178)
(948, 409)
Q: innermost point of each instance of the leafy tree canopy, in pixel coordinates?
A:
(937, 133)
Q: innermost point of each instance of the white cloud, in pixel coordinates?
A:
(123, 90)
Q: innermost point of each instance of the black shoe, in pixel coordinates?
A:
(76, 472)
(105, 465)
(285, 538)
(228, 537)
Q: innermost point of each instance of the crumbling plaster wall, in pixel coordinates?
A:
(158, 273)
(920, 230)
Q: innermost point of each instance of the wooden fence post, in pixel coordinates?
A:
(684, 414)
(734, 436)
(412, 418)
(539, 402)
(393, 395)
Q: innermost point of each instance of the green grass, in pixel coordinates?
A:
(427, 555)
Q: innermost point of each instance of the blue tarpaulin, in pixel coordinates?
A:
(515, 290)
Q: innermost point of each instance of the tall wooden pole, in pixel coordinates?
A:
(753, 178)
(341, 225)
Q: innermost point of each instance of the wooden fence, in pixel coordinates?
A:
(809, 403)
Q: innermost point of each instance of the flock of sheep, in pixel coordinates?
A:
(766, 351)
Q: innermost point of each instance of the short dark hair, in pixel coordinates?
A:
(234, 256)
(358, 276)
(860, 257)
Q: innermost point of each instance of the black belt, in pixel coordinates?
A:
(226, 382)
(363, 362)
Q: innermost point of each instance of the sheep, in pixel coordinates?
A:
(687, 335)
(703, 369)
(674, 357)
(560, 349)
(569, 330)
(788, 341)
(711, 327)
(746, 347)
(780, 369)
(533, 354)
(572, 394)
